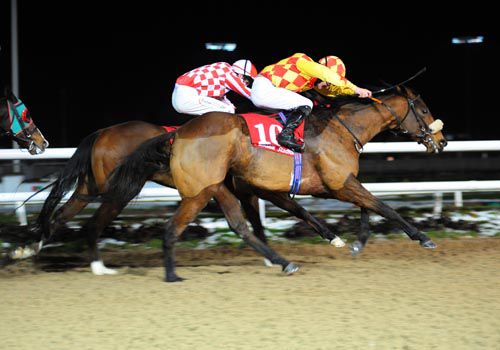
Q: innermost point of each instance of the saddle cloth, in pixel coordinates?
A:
(264, 130)
(169, 129)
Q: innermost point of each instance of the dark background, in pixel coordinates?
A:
(88, 65)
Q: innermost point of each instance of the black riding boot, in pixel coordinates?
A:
(294, 118)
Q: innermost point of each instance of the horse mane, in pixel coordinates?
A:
(325, 106)
(335, 104)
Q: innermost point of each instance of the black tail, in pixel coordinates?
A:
(130, 176)
(76, 169)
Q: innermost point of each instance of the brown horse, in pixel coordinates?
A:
(16, 123)
(90, 167)
(213, 145)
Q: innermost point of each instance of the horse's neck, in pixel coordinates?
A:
(371, 121)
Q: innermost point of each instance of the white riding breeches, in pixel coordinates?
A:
(185, 99)
(266, 95)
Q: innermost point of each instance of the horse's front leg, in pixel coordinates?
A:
(283, 201)
(355, 193)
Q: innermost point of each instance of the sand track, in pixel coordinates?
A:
(395, 296)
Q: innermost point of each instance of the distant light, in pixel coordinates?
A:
(468, 40)
(221, 46)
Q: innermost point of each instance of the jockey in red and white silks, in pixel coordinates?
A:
(204, 89)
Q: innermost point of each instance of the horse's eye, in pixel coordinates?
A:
(425, 111)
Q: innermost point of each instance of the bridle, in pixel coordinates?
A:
(423, 135)
(23, 136)
(425, 132)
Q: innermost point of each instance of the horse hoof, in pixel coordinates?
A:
(356, 247)
(268, 262)
(174, 278)
(22, 253)
(290, 269)
(337, 242)
(99, 269)
(428, 244)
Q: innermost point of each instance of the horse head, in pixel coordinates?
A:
(16, 122)
(418, 122)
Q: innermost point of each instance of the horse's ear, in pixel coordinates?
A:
(406, 91)
(9, 94)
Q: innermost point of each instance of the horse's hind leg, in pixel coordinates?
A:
(250, 205)
(68, 211)
(355, 193)
(232, 210)
(102, 217)
(364, 233)
(187, 211)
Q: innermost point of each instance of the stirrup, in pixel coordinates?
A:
(292, 145)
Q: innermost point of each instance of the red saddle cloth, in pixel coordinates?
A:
(264, 130)
(169, 129)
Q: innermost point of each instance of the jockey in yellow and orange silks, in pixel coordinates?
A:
(278, 85)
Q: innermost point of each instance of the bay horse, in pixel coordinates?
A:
(215, 144)
(89, 169)
(16, 123)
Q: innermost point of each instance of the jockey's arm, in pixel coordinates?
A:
(339, 85)
(234, 83)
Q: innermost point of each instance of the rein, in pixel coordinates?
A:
(357, 144)
(426, 132)
(400, 130)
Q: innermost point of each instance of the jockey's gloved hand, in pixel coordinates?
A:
(363, 93)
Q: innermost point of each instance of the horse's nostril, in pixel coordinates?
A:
(443, 143)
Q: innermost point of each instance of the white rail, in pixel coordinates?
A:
(372, 147)
(380, 189)
(152, 194)
(164, 194)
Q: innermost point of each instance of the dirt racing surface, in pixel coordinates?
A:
(395, 295)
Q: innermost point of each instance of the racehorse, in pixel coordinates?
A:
(16, 123)
(213, 145)
(89, 168)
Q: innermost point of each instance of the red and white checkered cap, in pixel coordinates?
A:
(245, 67)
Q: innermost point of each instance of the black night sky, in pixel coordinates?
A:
(84, 66)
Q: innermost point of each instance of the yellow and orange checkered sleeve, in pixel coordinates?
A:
(326, 74)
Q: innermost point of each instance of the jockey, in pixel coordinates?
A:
(204, 89)
(278, 86)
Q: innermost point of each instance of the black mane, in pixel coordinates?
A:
(332, 105)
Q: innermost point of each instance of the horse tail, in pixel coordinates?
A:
(130, 176)
(78, 167)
